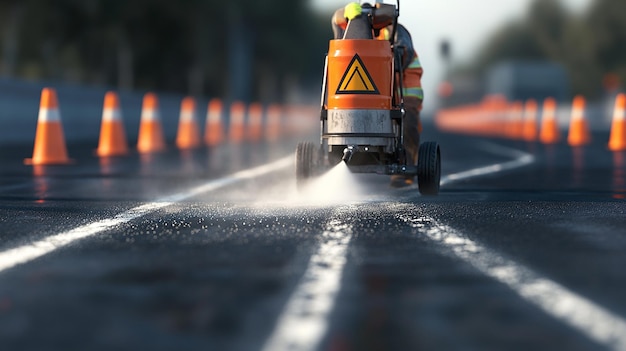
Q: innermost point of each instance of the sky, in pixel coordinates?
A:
(465, 23)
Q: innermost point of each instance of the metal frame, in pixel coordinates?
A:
(397, 114)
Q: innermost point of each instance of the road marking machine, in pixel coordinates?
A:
(362, 116)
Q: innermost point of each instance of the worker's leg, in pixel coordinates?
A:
(412, 131)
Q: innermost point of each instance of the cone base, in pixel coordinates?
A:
(617, 147)
(188, 136)
(112, 140)
(111, 153)
(550, 133)
(236, 137)
(151, 150)
(617, 140)
(579, 134)
(151, 138)
(32, 162)
(214, 135)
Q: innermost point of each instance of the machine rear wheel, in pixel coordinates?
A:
(307, 157)
(429, 168)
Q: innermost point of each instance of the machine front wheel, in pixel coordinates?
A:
(307, 157)
(429, 168)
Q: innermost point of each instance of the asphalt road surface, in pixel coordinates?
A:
(524, 249)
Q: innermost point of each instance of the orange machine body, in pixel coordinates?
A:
(360, 73)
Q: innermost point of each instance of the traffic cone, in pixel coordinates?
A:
(255, 122)
(579, 130)
(530, 121)
(188, 136)
(617, 141)
(214, 131)
(237, 122)
(150, 131)
(112, 133)
(549, 133)
(272, 131)
(515, 125)
(49, 146)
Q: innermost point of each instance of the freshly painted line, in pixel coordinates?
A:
(592, 320)
(23, 254)
(304, 321)
(521, 159)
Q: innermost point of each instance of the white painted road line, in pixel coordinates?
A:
(592, 320)
(520, 159)
(23, 254)
(304, 321)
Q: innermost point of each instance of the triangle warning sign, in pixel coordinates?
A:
(356, 79)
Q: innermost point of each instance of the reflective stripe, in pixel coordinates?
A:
(414, 92)
(111, 114)
(150, 115)
(49, 115)
(187, 116)
(415, 63)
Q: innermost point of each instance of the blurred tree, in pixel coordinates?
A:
(548, 21)
(577, 56)
(12, 15)
(189, 46)
(591, 47)
(607, 23)
(513, 42)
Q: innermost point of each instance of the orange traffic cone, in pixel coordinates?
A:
(49, 139)
(237, 122)
(272, 131)
(515, 125)
(549, 133)
(112, 134)
(617, 141)
(255, 122)
(578, 131)
(214, 131)
(150, 131)
(188, 136)
(530, 121)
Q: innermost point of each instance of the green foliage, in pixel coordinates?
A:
(589, 46)
(159, 44)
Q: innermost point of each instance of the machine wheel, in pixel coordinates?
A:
(429, 168)
(307, 157)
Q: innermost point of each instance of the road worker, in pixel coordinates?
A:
(411, 79)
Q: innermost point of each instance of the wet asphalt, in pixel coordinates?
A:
(216, 270)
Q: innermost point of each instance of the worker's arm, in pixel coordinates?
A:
(339, 24)
(343, 15)
(340, 19)
(412, 90)
(412, 85)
